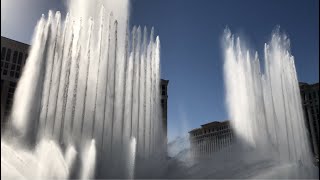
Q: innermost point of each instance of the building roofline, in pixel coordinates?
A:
(167, 81)
(215, 122)
(202, 126)
(194, 130)
(311, 84)
(15, 41)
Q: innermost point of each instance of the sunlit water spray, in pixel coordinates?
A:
(70, 156)
(264, 104)
(132, 158)
(90, 77)
(46, 161)
(88, 161)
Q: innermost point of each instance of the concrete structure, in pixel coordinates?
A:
(310, 104)
(164, 105)
(13, 59)
(210, 138)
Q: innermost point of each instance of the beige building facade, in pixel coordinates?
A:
(210, 138)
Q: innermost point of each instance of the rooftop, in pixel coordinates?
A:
(307, 84)
(211, 124)
(2, 37)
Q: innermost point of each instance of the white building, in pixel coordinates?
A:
(210, 138)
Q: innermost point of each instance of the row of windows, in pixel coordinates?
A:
(216, 129)
(11, 68)
(218, 135)
(213, 141)
(163, 90)
(211, 130)
(209, 148)
(163, 103)
(227, 138)
(17, 57)
(314, 111)
(310, 95)
(15, 74)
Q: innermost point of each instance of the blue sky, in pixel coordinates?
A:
(190, 32)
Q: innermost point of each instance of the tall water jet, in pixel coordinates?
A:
(88, 161)
(132, 158)
(88, 78)
(51, 161)
(264, 104)
(70, 156)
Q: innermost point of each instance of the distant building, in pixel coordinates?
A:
(210, 138)
(310, 104)
(13, 59)
(164, 105)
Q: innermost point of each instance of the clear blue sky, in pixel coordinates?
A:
(190, 32)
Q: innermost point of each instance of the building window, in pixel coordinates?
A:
(163, 93)
(11, 73)
(10, 95)
(8, 55)
(18, 68)
(5, 72)
(17, 75)
(3, 53)
(11, 90)
(25, 58)
(14, 58)
(6, 65)
(20, 58)
(13, 67)
(13, 84)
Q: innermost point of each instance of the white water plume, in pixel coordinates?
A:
(265, 105)
(88, 161)
(87, 77)
(132, 158)
(45, 162)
